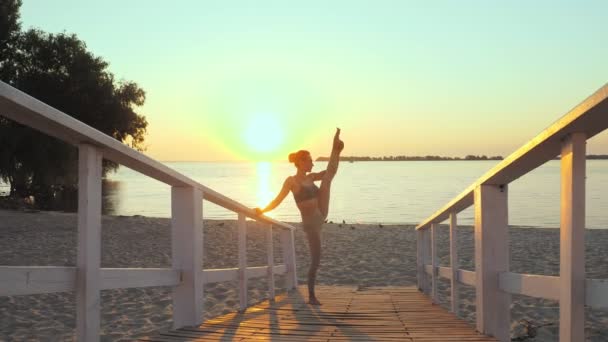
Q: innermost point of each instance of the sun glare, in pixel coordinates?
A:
(264, 134)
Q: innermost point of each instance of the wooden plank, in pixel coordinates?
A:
(122, 278)
(187, 255)
(572, 240)
(88, 259)
(347, 314)
(26, 280)
(220, 275)
(467, 277)
(532, 285)
(491, 258)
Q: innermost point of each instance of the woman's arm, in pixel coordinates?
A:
(280, 197)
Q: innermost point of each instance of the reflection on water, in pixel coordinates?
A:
(110, 196)
(264, 193)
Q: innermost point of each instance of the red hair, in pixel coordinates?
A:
(297, 156)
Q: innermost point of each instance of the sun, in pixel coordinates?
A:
(264, 134)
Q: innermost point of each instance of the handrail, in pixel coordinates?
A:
(494, 283)
(589, 117)
(186, 276)
(27, 110)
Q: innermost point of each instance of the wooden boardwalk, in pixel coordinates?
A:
(347, 314)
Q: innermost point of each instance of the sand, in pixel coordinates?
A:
(353, 254)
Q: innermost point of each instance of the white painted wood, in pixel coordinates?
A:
(428, 269)
(289, 259)
(596, 294)
(572, 240)
(220, 275)
(454, 263)
(26, 280)
(491, 259)
(434, 261)
(257, 271)
(88, 259)
(533, 285)
(242, 232)
(445, 272)
(122, 278)
(467, 277)
(588, 117)
(262, 271)
(419, 260)
(229, 274)
(270, 257)
(426, 258)
(187, 255)
(462, 276)
(280, 269)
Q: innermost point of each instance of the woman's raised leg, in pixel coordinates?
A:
(332, 169)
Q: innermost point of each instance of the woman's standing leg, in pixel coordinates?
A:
(332, 169)
(314, 244)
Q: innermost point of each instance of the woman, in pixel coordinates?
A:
(313, 202)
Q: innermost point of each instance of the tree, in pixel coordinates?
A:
(9, 31)
(58, 70)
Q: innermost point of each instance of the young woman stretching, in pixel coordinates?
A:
(312, 201)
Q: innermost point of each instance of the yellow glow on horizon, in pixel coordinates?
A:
(264, 134)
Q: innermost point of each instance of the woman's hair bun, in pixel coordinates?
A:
(296, 156)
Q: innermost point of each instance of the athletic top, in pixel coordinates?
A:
(306, 192)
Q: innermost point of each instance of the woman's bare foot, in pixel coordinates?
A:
(338, 144)
(314, 301)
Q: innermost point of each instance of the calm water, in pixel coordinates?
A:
(365, 192)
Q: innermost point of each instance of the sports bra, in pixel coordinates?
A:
(306, 192)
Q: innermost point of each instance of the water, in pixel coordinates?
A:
(364, 192)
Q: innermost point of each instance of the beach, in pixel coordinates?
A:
(353, 254)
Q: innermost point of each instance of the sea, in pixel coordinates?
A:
(374, 192)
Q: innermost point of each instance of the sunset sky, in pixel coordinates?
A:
(254, 80)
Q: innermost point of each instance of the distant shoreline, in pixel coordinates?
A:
(440, 158)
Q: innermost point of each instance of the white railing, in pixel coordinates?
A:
(493, 282)
(186, 275)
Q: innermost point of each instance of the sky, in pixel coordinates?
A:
(255, 80)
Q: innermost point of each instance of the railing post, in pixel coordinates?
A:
(289, 258)
(420, 259)
(426, 258)
(454, 262)
(89, 243)
(572, 240)
(270, 254)
(242, 227)
(491, 259)
(187, 255)
(434, 263)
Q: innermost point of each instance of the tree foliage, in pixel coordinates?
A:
(59, 70)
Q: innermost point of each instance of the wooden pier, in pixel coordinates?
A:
(347, 314)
